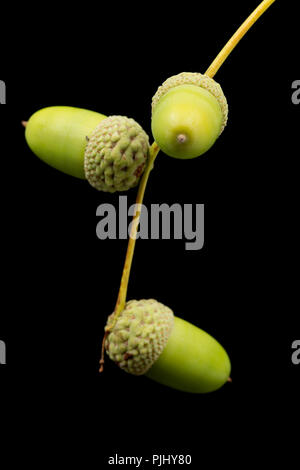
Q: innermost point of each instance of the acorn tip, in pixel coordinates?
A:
(181, 138)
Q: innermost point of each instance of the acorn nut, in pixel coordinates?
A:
(148, 339)
(110, 152)
(189, 112)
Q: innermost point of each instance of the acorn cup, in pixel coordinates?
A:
(110, 152)
(148, 339)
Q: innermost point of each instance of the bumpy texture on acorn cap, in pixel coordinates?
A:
(140, 335)
(116, 154)
(190, 78)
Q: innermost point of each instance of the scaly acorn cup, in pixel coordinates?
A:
(189, 112)
(110, 152)
(148, 339)
(116, 154)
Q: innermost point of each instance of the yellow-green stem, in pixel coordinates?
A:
(120, 304)
(240, 33)
(154, 149)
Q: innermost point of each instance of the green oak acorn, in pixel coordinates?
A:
(148, 339)
(189, 112)
(110, 152)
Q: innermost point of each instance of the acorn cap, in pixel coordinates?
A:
(140, 335)
(190, 78)
(116, 154)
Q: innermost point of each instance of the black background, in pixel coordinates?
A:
(59, 282)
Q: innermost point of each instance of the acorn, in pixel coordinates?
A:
(189, 112)
(148, 339)
(110, 152)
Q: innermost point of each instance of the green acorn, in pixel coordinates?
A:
(110, 152)
(148, 339)
(189, 112)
